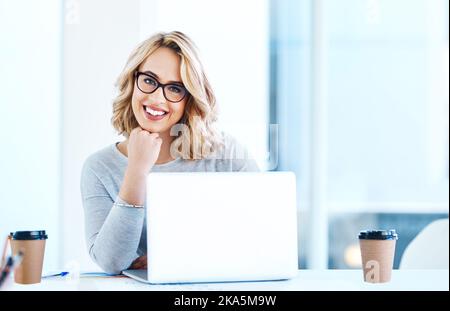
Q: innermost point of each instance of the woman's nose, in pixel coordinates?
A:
(158, 95)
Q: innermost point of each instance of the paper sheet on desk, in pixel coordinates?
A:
(78, 274)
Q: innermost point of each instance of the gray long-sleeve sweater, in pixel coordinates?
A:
(116, 235)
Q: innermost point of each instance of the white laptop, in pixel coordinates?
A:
(220, 227)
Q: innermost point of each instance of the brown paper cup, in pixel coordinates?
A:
(30, 269)
(377, 257)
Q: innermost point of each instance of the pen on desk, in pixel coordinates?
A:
(5, 247)
(63, 273)
(11, 263)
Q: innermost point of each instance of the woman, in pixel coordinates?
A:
(166, 110)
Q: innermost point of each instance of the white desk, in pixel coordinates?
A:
(305, 281)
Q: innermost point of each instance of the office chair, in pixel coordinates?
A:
(429, 249)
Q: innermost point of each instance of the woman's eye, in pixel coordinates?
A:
(174, 89)
(150, 81)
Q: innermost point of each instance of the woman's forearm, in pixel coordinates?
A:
(133, 189)
(115, 247)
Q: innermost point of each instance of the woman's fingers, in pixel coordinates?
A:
(139, 263)
(143, 262)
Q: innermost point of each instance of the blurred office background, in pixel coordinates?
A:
(358, 90)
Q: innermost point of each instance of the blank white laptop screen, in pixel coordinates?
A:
(217, 227)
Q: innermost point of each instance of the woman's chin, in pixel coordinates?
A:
(152, 128)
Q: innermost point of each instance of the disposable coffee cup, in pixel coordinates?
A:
(377, 254)
(32, 245)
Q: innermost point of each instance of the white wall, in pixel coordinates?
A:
(30, 98)
(98, 37)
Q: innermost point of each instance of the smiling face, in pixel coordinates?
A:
(154, 112)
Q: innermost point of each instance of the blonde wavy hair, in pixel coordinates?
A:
(199, 138)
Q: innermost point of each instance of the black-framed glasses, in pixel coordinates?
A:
(148, 84)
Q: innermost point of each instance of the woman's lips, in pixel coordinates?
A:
(152, 117)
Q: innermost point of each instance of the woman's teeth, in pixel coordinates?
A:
(154, 112)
